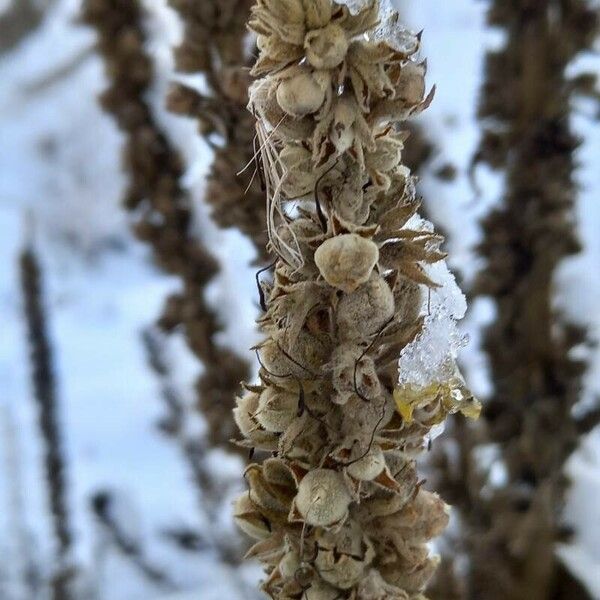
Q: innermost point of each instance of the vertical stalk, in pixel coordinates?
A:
(45, 394)
(525, 110)
(161, 208)
(214, 45)
(357, 362)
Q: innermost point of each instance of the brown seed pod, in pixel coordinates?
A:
(369, 467)
(322, 498)
(319, 590)
(364, 312)
(266, 496)
(326, 48)
(421, 520)
(347, 261)
(277, 409)
(249, 519)
(299, 178)
(353, 372)
(299, 360)
(244, 417)
(415, 580)
(374, 587)
(344, 556)
(301, 94)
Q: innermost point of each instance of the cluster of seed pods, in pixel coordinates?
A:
(337, 509)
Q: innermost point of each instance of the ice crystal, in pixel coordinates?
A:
(430, 358)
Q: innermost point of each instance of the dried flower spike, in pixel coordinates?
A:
(337, 511)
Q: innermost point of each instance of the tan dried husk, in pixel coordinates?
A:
(338, 511)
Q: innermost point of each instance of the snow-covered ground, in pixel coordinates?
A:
(59, 161)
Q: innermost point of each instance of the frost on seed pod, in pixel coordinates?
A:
(347, 261)
(322, 498)
(326, 48)
(365, 311)
(302, 92)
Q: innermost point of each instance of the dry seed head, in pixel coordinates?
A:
(326, 48)
(347, 261)
(323, 498)
(340, 308)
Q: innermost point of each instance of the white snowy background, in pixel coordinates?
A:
(59, 163)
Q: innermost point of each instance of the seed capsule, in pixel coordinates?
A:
(326, 48)
(367, 310)
(347, 261)
(300, 95)
(323, 498)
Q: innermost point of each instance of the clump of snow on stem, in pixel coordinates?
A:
(431, 357)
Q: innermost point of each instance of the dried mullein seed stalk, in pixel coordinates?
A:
(161, 206)
(337, 511)
(525, 109)
(214, 44)
(45, 394)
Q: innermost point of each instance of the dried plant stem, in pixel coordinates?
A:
(214, 45)
(19, 20)
(161, 207)
(101, 505)
(525, 109)
(337, 509)
(45, 394)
